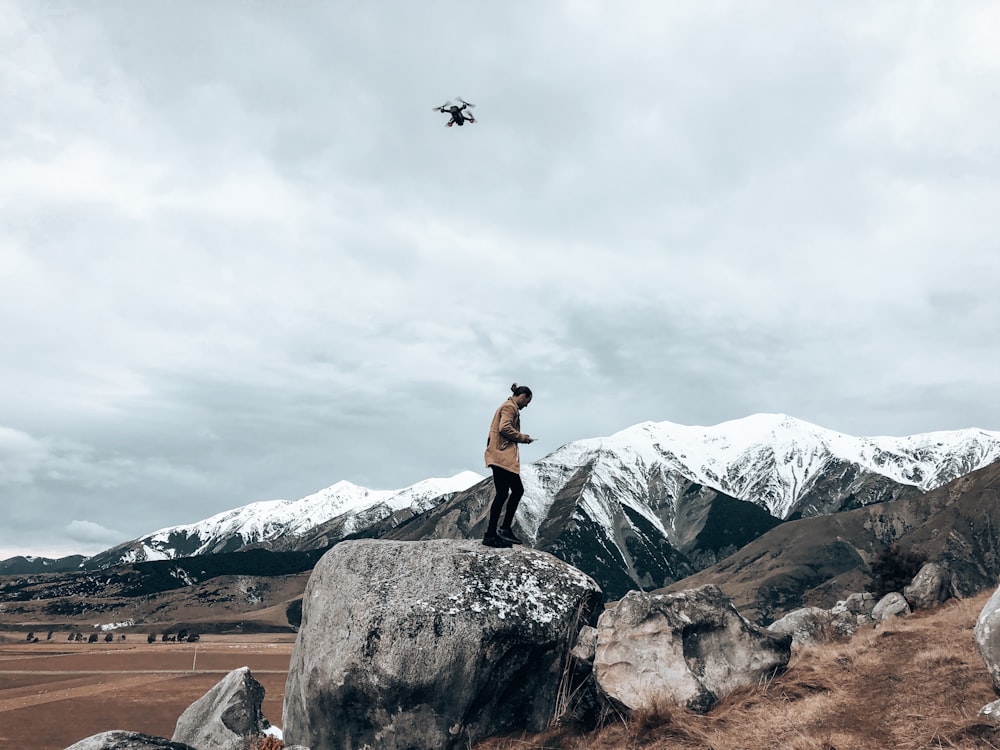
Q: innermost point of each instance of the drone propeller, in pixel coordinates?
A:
(443, 106)
(467, 104)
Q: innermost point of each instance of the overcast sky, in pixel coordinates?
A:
(241, 257)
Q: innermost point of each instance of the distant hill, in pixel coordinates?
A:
(22, 565)
(210, 593)
(814, 561)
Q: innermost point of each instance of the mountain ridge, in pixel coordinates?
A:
(637, 500)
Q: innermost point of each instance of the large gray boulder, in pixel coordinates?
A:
(987, 633)
(690, 648)
(931, 585)
(226, 716)
(434, 644)
(120, 740)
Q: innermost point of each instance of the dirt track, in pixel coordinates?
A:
(53, 694)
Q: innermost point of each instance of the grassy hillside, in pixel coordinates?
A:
(912, 684)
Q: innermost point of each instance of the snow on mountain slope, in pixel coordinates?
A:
(647, 485)
(772, 460)
(272, 519)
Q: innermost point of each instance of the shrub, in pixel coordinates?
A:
(268, 742)
(893, 569)
(293, 612)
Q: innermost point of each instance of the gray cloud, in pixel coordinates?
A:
(90, 534)
(242, 259)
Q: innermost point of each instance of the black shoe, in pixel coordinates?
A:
(508, 536)
(494, 540)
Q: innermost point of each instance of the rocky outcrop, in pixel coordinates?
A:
(690, 649)
(226, 716)
(811, 625)
(432, 644)
(119, 740)
(931, 585)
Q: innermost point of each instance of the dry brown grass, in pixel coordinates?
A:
(913, 684)
(265, 743)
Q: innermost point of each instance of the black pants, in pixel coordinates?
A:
(509, 490)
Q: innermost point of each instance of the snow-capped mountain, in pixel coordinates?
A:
(645, 506)
(657, 501)
(772, 460)
(277, 523)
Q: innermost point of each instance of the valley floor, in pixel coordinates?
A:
(54, 693)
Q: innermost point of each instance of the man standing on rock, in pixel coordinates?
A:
(502, 457)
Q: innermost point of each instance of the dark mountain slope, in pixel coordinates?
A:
(816, 561)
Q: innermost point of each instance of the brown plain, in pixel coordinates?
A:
(54, 692)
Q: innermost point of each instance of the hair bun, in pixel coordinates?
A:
(513, 387)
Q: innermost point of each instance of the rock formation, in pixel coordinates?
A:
(226, 716)
(119, 740)
(690, 648)
(433, 644)
(930, 586)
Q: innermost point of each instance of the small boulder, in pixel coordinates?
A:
(991, 712)
(860, 604)
(434, 644)
(930, 586)
(120, 740)
(852, 613)
(226, 716)
(586, 645)
(892, 604)
(690, 648)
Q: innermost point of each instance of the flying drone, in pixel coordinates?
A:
(458, 112)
